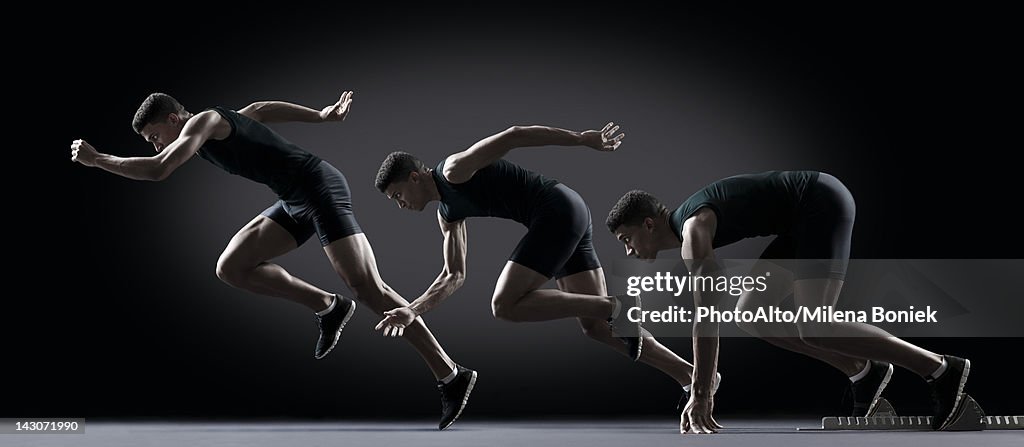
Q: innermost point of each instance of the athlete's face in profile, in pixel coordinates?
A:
(638, 240)
(162, 133)
(409, 194)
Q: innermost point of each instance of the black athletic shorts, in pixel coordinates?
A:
(320, 202)
(819, 242)
(559, 241)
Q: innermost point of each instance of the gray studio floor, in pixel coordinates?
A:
(562, 433)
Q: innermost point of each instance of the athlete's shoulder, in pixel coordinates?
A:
(215, 113)
(454, 169)
(212, 124)
(442, 171)
(211, 113)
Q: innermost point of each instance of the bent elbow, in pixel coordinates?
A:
(159, 173)
(252, 111)
(457, 279)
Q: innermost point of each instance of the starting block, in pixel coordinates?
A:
(970, 417)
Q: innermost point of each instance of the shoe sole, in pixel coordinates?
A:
(337, 334)
(878, 394)
(465, 400)
(959, 395)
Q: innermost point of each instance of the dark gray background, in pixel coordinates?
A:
(905, 106)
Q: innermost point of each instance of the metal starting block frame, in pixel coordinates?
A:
(970, 417)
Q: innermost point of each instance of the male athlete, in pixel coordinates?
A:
(313, 198)
(478, 182)
(811, 215)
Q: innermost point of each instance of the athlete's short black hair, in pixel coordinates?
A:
(156, 107)
(633, 208)
(397, 167)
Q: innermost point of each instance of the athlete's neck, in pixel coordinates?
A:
(665, 234)
(431, 186)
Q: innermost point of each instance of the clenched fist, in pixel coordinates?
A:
(83, 153)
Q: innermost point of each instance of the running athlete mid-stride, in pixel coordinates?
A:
(478, 182)
(313, 198)
(811, 215)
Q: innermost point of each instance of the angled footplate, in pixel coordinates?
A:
(970, 417)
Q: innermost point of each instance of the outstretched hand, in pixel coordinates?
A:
(604, 140)
(83, 153)
(697, 418)
(339, 110)
(395, 321)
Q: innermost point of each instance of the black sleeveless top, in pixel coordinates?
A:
(748, 205)
(501, 189)
(254, 151)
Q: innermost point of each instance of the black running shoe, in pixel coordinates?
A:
(868, 390)
(455, 395)
(332, 324)
(629, 332)
(686, 394)
(948, 391)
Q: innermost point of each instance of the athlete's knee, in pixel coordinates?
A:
(230, 269)
(368, 290)
(813, 334)
(501, 311)
(504, 310)
(365, 285)
(503, 304)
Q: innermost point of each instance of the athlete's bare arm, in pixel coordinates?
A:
(197, 130)
(280, 111)
(451, 278)
(699, 256)
(460, 167)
